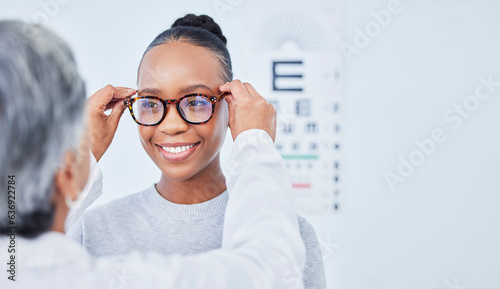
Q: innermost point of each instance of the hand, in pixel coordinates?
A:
(102, 126)
(248, 109)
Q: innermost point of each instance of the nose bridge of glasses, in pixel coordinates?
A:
(171, 101)
(169, 111)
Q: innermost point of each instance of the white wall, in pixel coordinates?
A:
(438, 229)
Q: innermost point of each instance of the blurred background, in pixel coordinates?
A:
(388, 115)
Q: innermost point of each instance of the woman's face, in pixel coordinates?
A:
(170, 71)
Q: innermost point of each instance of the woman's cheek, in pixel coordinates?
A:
(145, 135)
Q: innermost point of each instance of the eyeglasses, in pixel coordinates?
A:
(195, 108)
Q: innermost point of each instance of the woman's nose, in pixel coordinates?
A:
(173, 123)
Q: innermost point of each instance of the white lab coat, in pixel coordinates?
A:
(261, 244)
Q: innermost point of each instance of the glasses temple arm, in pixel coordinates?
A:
(223, 95)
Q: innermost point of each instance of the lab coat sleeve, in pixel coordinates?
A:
(91, 191)
(261, 245)
(261, 226)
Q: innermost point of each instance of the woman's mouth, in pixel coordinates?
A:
(176, 151)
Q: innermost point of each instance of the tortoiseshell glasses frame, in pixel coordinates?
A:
(210, 98)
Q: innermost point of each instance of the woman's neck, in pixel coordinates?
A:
(204, 186)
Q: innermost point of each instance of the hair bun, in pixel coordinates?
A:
(202, 21)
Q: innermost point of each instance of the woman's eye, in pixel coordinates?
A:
(196, 103)
(149, 104)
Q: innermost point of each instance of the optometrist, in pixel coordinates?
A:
(44, 165)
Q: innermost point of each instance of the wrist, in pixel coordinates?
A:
(97, 155)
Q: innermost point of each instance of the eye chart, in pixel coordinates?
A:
(291, 55)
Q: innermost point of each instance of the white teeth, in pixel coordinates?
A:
(176, 150)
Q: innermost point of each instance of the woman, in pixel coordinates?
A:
(45, 164)
(184, 211)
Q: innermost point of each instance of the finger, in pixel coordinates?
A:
(116, 113)
(236, 88)
(126, 91)
(112, 103)
(123, 92)
(223, 87)
(104, 96)
(229, 98)
(124, 88)
(251, 90)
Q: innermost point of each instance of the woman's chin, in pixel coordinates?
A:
(177, 173)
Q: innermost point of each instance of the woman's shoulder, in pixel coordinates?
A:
(314, 271)
(306, 229)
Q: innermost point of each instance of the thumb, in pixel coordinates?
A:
(102, 99)
(224, 87)
(116, 113)
(230, 99)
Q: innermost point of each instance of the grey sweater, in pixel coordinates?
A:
(147, 222)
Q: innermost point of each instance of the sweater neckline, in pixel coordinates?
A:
(185, 212)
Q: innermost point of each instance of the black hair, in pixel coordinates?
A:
(200, 31)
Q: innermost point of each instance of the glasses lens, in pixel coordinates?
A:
(196, 108)
(148, 110)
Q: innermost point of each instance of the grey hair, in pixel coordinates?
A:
(42, 113)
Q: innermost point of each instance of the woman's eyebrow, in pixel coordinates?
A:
(184, 90)
(147, 90)
(193, 87)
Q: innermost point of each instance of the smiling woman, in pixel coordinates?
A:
(172, 70)
(182, 115)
